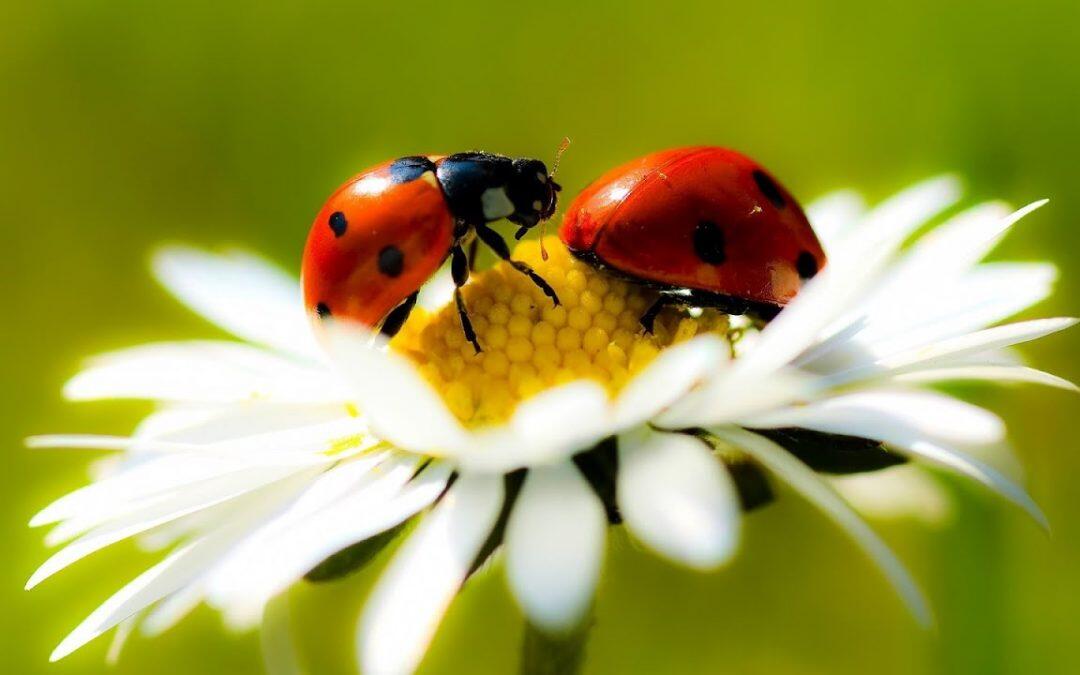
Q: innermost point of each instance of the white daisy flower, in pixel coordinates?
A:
(267, 458)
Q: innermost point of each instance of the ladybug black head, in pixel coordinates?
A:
(482, 187)
(533, 193)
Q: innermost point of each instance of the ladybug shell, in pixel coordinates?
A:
(373, 244)
(702, 218)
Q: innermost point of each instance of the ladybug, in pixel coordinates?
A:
(386, 231)
(705, 226)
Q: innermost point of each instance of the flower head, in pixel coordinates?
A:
(531, 345)
(268, 457)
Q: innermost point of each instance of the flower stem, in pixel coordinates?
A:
(546, 654)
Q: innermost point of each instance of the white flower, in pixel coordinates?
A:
(265, 458)
(260, 465)
(844, 356)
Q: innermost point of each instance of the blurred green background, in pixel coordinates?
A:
(128, 123)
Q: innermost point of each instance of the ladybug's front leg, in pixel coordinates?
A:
(397, 316)
(649, 317)
(498, 245)
(474, 246)
(459, 270)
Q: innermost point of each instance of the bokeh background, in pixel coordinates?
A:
(128, 123)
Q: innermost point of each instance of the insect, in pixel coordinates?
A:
(705, 226)
(386, 231)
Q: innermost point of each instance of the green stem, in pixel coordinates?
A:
(546, 654)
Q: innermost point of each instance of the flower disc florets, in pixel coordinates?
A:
(529, 344)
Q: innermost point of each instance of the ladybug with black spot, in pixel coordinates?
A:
(705, 226)
(386, 231)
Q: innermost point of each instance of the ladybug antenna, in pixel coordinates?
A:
(543, 251)
(554, 186)
(522, 231)
(558, 157)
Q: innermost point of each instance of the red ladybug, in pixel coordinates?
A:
(383, 233)
(707, 227)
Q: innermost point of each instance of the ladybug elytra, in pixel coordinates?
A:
(386, 231)
(705, 226)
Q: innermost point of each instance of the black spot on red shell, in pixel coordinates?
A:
(806, 265)
(338, 223)
(709, 242)
(322, 310)
(769, 188)
(391, 261)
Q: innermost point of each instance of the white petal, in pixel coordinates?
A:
(676, 371)
(247, 419)
(560, 421)
(822, 308)
(154, 477)
(962, 346)
(89, 442)
(412, 595)
(883, 229)
(910, 423)
(147, 588)
(804, 321)
(242, 293)
(347, 478)
(987, 294)
(805, 481)
(266, 551)
(566, 416)
(830, 299)
(954, 247)
(174, 506)
(202, 371)
(964, 465)
(172, 609)
(906, 491)
(1004, 356)
(676, 498)
(545, 429)
(151, 482)
(171, 574)
(864, 413)
(438, 291)
(268, 562)
(735, 394)
(172, 418)
(947, 250)
(988, 373)
(832, 215)
(197, 524)
(839, 340)
(399, 404)
(138, 485)
(280, 656)
(141, 592)
(555, 546)
(852, 363)
(120, 638)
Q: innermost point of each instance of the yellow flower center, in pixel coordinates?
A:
(530, 345)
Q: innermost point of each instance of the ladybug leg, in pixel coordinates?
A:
(498, 245)
(649, 317)
(397, 316)
(459, 266)
(459, 270)
(466, 325)
(474, 247)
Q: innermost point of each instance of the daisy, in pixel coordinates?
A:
(266, 458)
(271, 459)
